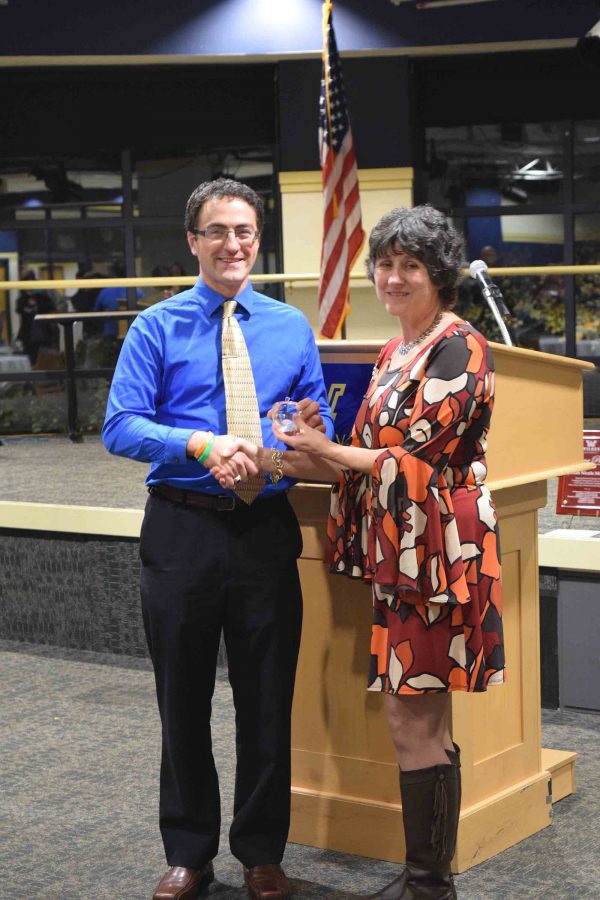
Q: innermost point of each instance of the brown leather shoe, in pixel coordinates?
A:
(179, 883)
(267, 883)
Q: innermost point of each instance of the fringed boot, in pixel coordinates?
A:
(454, 757)
(430, 811)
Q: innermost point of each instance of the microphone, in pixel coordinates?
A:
(478, 271)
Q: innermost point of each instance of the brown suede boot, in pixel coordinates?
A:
(430, 810)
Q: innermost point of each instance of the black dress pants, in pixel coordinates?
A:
(205, 572)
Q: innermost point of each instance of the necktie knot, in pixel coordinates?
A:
(229, 308)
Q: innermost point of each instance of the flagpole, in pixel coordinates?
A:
(327, 10)
(343, 234)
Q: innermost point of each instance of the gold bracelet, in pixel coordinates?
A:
(277, 460)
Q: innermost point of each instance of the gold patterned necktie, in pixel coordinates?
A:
(243, 416)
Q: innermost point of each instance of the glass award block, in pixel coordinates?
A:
(282, 414)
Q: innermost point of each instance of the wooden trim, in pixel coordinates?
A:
(371, 828)
(539, 475)
(127, 522)
(72, 519)
(540, 356)
(561, 766)
(310, 181)
(114, 59)
(571, 552)
(368, 348)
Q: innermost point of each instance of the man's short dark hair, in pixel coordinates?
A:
(218, 190)
(117, 268)
(426, 234)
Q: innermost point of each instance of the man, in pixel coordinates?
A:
(212, 562)
(110, 299)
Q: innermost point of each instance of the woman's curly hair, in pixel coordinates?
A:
(426, 234)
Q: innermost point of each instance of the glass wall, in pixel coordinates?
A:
(106, 216)
(587, 287)
(161, 188)
(495, 165)
(537, 303)
(526, 194)
(586, 163)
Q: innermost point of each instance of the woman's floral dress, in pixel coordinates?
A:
(421, 527)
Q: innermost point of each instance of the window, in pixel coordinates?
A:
(587, 287)
(68, 218)
(536, 303)
(526, 194)
(495, 165)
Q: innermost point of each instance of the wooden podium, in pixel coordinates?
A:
(345, 793)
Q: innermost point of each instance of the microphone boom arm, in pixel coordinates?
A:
(494, 300)
(478, 270)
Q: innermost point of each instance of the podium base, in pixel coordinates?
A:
(374, 829)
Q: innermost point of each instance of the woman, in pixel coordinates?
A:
(410, 514)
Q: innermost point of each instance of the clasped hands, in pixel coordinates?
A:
(233, 459)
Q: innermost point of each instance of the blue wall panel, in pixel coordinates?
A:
(8, 241)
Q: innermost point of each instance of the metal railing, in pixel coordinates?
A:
(71, 373)
(270, 278)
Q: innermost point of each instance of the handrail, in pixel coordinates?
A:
(67, 320)
(270, 278)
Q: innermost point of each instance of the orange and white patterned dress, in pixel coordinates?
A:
(421, 527)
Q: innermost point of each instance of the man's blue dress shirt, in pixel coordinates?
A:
(169, 383)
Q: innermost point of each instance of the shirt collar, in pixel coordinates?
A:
(213, 300)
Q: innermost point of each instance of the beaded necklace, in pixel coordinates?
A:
(403, 348)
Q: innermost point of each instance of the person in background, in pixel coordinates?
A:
(33, 334)
(411, 515)
(215, 561)
(111, 299)
(176, 269)
(84, 301)
(157, 292)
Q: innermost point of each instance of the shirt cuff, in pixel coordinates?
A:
(175, 445)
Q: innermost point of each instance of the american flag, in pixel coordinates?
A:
(343, 235)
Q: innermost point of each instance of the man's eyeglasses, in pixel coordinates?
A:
(218, 233)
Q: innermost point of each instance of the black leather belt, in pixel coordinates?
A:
(220, 502)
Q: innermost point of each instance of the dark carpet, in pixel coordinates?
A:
(79, 787)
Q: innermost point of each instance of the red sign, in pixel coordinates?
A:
(579, 494)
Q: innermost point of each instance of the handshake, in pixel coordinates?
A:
(232, 459)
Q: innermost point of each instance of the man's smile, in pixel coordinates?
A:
(226, 260)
